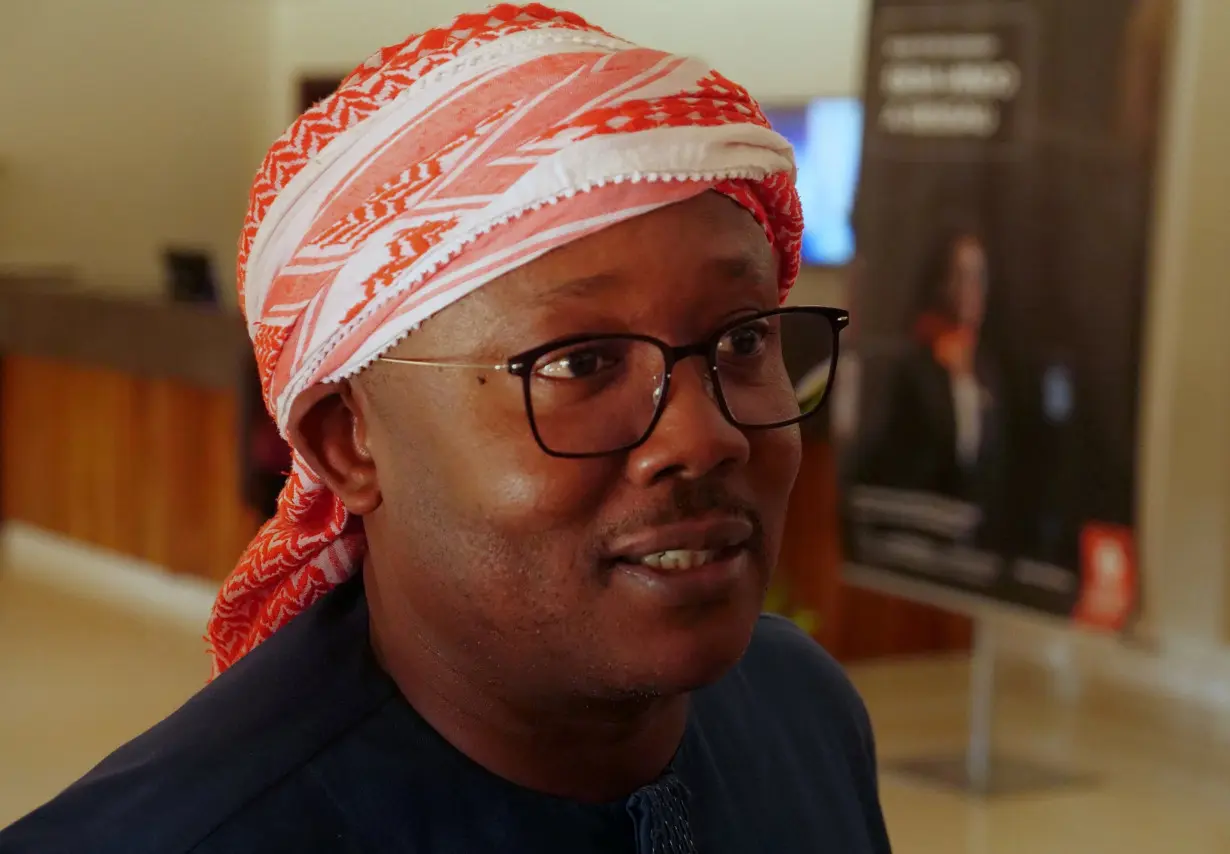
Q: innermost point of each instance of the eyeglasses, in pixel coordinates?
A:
(594, 395)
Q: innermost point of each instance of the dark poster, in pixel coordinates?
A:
(1003, 219)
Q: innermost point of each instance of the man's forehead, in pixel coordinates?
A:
(624, 268)
(724, 243)
(733, 266)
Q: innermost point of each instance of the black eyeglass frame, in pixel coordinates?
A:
(522, 365)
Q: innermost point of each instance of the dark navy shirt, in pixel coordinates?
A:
(306, 746)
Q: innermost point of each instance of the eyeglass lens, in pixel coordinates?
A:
(603, 395)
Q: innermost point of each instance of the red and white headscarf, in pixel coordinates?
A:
(440, 164)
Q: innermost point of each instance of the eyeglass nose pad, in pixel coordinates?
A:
(706, 378)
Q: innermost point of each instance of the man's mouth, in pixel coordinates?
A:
(686, 545)
(681, 560)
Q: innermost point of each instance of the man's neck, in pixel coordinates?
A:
(584, 750)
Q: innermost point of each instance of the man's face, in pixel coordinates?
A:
(969, 275)
(519, 567)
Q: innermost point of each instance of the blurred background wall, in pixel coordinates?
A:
(126, 125)
(1187, 402)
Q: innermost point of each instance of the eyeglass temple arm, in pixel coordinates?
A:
(443, 363)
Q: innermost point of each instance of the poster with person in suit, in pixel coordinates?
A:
(1004, 217)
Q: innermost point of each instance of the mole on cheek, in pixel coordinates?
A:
(482, 380)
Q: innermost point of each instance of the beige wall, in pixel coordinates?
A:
(1187, 429)
(127, 124)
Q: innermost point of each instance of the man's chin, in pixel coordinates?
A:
(681, 659)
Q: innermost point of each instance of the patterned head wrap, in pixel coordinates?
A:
(440, 164)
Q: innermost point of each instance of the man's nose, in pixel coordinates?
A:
(693, 437)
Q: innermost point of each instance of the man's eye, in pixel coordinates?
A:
(745, 341)
(577, 364)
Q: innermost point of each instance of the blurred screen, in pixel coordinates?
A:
(827, 139)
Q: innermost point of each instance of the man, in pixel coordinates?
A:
(514, 292)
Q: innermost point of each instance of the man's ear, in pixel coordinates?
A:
(331, 434)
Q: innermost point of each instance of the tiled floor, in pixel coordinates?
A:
(77, 679)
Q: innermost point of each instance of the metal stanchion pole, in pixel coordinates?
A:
(978, 755)
(976, 771)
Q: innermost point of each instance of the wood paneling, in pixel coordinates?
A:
(144, 467)
(854, 624)
(198, 345)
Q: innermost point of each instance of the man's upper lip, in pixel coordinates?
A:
(708, 534)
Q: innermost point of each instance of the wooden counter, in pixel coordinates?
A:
(155, 339)
(120, 424)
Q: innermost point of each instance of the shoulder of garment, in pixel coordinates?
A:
(786, 675)
(791, 720)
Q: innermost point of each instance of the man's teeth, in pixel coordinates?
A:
(678, 559)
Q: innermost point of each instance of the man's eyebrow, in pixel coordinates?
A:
(587, 285)
(746, 266)
(743, 267)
